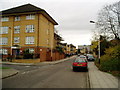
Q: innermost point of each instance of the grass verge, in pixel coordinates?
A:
(5, 68)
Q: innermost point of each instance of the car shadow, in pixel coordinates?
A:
(81, 70)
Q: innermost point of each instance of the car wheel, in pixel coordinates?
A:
(74, 69)
(86, 69)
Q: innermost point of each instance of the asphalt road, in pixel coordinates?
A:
(23, 68)
(50, 76)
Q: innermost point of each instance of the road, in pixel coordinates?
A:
(50, 76)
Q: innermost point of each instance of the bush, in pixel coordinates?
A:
(111, 60)
(27, 55)
(110, 65)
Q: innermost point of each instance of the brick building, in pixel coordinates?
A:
(26, 27)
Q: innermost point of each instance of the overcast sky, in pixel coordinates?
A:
(73, 16)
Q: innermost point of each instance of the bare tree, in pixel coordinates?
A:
(109, 20)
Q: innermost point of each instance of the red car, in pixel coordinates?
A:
(80, 64)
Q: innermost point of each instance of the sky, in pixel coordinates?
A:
(73, 16)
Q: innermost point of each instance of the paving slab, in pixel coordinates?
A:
(99, 79)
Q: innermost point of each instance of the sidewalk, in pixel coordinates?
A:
(40, 63)
(10, 72)
(7, 73)
(99, 79)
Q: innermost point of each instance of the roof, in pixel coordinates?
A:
(22, 9)
(58, 37)
(27, 8)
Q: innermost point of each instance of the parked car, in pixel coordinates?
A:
(82, 56)
(90, 58)
(80, 64)
(78, 54)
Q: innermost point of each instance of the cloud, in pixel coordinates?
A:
(73, 16)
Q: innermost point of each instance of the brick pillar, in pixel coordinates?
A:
(43, 52)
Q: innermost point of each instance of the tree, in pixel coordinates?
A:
(108, 21)
(94, 46)
(103, 45)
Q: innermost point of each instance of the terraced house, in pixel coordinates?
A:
(26, 27)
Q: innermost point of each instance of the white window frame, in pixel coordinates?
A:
(16, 39)
(5, 19)
(4, 51)
(30, 40)
(17, 18)
(3, 40)
(16, 29)
(30, 16)
(4, 30)
(30, 28)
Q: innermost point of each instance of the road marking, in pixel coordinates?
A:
(27, 71)
(23, 72)
(27, 66)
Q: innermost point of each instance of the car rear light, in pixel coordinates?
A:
(75, 64)
(84, 64)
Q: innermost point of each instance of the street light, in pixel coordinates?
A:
(98, 43)
(92, 22)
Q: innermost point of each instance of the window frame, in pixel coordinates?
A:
(1, 40)
(17, 18)
(3, 30)
(28, 40)
(16, 29)
(4, 19)
(4, 51)
(18, 40)
(30, 17)
(30, 28)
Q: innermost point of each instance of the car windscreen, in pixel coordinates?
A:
(82, 57)
(90, 56)
(79, 60)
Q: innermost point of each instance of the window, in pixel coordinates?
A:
(4, 19)
(47, 31)
(17, 29)
(47, 41)
(30, 16)
(29, 28)
(31, 50)
(17, 18)
(4, 51)
(16, 39)
(3, 30)
(29, 40)
(3, 40)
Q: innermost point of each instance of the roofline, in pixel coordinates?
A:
(42, 11)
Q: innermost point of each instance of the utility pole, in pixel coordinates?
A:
(98, 43)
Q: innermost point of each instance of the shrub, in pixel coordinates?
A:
(111, 60)
(27, 55)
(110, 65)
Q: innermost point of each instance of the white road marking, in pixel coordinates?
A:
(23, 72)
(27, 71)
(27, 66)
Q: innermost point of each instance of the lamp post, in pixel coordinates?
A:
(98, 44)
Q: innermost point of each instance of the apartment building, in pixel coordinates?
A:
(70, 49)
(84, 49)
(26, 27)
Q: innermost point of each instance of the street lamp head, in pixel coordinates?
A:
(92, 21)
